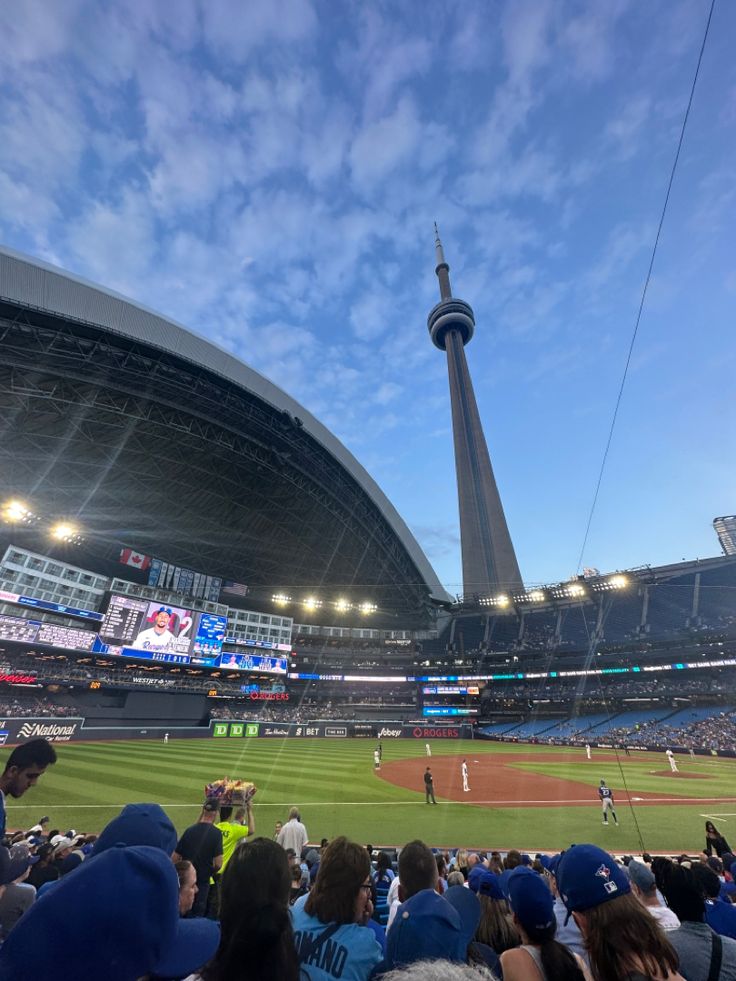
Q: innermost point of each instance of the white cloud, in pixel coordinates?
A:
(382, 146)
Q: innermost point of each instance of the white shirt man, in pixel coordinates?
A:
(587, 751)
(293, 834)
(376, 760)
(428, 749)
(158, 637)
(673, 763)
(464, 770)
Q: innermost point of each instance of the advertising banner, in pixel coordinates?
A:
(330, 730)
(219, 729)
(55, 730)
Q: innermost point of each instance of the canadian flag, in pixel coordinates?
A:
(129, 557)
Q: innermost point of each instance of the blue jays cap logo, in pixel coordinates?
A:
(604, 873)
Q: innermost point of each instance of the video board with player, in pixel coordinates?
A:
(155, 631)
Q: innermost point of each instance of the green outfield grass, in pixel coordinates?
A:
(333, 782)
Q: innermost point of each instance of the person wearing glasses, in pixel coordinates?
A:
(331, 932)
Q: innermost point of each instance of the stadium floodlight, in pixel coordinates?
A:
(536, 596)
(343, 605)
(502, 600)
(618, 582)
(311, 603)
(575, 589)
(15, 511)
(366, 608)
(65, 531)
(280, 599)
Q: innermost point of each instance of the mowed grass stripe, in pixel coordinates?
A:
(324, 777)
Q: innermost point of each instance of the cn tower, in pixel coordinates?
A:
(489, 561)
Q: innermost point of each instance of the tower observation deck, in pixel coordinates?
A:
(489, 561)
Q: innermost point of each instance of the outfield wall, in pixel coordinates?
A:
(338, 730)
(76, 729)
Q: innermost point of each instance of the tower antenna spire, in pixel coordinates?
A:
(489, 561)
(442, 269)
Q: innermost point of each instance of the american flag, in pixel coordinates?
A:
(233, 588)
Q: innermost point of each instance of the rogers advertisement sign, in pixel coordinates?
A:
(269, 696)
(442, 732)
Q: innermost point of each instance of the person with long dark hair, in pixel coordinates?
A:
(714, 841)
(330, 922)
(257, 939)
(540, 957)
(623, 941)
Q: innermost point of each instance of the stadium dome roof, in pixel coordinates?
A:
(156, 438)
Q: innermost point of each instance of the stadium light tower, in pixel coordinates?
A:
(489, 560)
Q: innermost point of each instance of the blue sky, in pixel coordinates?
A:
(268, 174)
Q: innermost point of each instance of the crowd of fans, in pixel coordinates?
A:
(218, 903)
(715, 733)
(26, 708)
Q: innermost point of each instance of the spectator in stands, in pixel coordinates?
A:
(201, 844)
(568, 932)
(429, 926)
(461, 862)
(16, 896)
(698, 946)
(293, 834)
(441, 872)
(22, 770)
(44, 869)
(437, 971)
(720, 914)
(257, 942)
(299, 886)
(234, 824)
(714, 841)
(644, 887)
(495, 928)
(623, 941)
(117, 918)
(277, 830)
(187, 885)
(540, 956)
(138, 824)
(337, 909)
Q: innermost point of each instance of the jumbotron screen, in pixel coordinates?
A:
(159, 632)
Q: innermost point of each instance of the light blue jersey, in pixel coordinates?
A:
(351, 953)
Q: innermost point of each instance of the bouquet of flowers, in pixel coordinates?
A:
(230, 792)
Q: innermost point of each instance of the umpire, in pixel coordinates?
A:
(429, 786)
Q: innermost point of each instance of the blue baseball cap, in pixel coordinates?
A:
(12, 864)
(467, 905)
(531, 899)
(554, 863)
(119, 916)
(138, 824)
(587, 876)
(488, 885)
(426, 927)
(475, 875)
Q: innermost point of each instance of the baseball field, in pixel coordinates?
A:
(530, 797)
